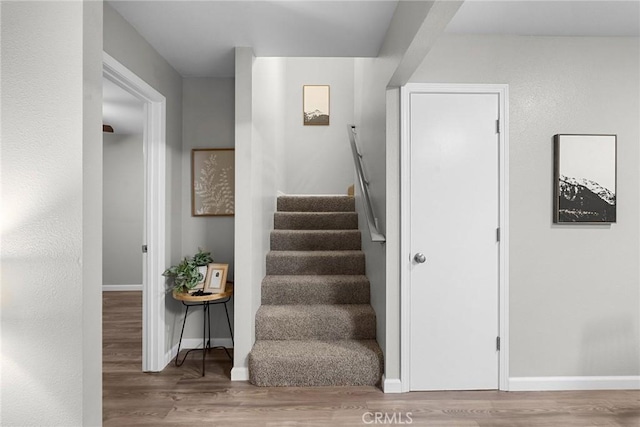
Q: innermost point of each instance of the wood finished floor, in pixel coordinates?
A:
(181, 397)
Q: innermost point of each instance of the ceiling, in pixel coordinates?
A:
(121, 110)
(198, 37)
(548, 18)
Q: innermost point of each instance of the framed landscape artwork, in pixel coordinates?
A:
(315, 105)
(585, 179)
(212, 182)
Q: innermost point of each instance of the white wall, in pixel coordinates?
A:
(125, 44)
(123, 209)
(207, 122)
(51, 235)
(270, 89)
(574, 289)
(310, 159)
(317, 159)
(246, 253)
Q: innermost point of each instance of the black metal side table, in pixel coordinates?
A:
(206, 301)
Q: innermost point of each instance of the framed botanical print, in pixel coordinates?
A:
(213, 182)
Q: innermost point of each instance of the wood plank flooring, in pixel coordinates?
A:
(181, 397)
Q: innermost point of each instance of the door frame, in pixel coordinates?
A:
(502, 90)
(154, 148)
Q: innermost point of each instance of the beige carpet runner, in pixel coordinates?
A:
(315, 326)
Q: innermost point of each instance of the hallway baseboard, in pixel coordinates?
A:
(391, 385)
(240, 374)
(631, 382)
(121, 288)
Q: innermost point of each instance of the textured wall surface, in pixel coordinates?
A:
(574, 289)
(51, 96)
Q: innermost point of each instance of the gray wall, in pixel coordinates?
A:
(51, 204)
(574, 289)
(125, 44)
(207, 122)
(123, 209)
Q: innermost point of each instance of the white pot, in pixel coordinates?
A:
(202, 270)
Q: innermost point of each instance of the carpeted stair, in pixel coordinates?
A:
(315, 326)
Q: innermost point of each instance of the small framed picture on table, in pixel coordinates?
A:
(216, 279)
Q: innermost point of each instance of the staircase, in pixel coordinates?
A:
(315, 326)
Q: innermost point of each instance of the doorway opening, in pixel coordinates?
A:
(154, 356)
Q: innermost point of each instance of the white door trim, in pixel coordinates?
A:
(153, 300)
(405, 216)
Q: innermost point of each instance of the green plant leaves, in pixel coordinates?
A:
(185, 275)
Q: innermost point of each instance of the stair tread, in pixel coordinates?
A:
(329, 203)
(320, 321)
(315, 279)
(311, 290)
(316, 262)
(315, 232)
(316, 253)
(301, 310)
(315, 240)
(315, 220)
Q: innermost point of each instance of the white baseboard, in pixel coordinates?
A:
(240, 374)
(189, 343)
(574, 383)
(120, 288)
(391, 385)
(313, 195)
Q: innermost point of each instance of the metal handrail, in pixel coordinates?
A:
(363, 183)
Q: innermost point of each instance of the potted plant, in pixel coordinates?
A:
(202, 260)
(190, 272)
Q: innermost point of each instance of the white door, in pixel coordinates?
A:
(454, 149)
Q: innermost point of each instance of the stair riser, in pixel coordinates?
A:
(289, 293)
(316, 204)
(294, 327)
(321, 221)
(309, 264)
(308, 373)
(315, 241)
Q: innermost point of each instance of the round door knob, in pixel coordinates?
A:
(419, 258)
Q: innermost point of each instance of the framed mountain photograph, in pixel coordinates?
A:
(315, 105)
(585, 179)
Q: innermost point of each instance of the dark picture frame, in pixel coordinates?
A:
(585, 179)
